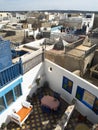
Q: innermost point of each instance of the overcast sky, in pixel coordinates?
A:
(11, 5)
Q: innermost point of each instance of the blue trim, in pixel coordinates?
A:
(5, 101)
(11, 86)
(81, 91)
(66, 86)
(88, 105)
(14, 94)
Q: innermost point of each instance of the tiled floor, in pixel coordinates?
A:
(43, 121)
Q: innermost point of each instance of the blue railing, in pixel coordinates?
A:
(10, 73)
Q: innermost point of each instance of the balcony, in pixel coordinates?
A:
(10, 73)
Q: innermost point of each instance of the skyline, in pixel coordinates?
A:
(15, 5)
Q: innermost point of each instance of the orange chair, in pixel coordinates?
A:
(22, 114)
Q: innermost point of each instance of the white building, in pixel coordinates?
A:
(34, 66)
(20, 17)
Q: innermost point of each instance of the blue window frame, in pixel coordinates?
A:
(67, 84)
(95, 106)
(2, 104)
(17, 91)
(79, 93)
(87, 98)
(8, 97)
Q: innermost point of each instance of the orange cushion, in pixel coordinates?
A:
(23, 112)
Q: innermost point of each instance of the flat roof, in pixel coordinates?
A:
(76, 52)
(82, 47)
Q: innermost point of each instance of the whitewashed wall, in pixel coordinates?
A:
(29, 86)
(55, 78)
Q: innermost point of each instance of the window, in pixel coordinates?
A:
(9, 97)
(2, 105)
(95, 106)
(67, 84)
(88, 98)
(85, 97)
(79, 93)
(17, 91)
(10, 94)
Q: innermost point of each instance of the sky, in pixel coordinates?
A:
(30, 5)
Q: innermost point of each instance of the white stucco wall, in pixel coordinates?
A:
(55, 78)
(29, 86)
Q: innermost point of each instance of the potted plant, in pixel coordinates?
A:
(4, 126)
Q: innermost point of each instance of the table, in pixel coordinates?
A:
(50, 102)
